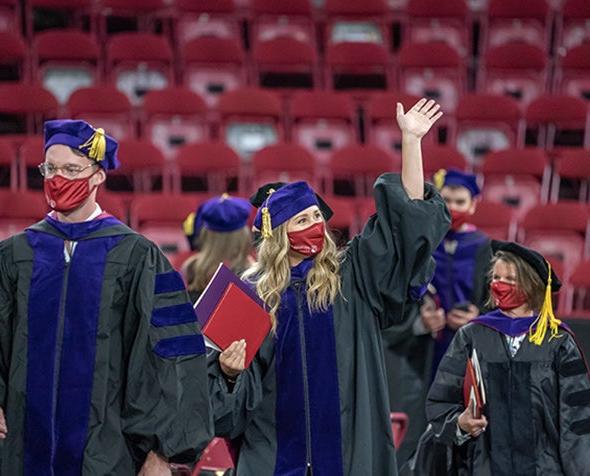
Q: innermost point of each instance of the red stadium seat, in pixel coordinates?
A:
(142, 14)
(30, 156)
(206, 18)
(555, 118)
(399, 427)
(159, 217)
(213, 66)
(436, 21)
(559, 230)
(8, 166)
(250, 120)
(486, 123)
(66, 60)
(432, 70)
(286, 63)
(174, 117)
(515, 69)
(572, 76)
(13, 63)
(216, 162)
(292, 19)
(322, 122)
(438, 157)
(572, 165)
(354, 21)
(73, 14)
(344, 224)
(362, 65)
(19, 210)
(361, 164)
(138, 63)
(30, 103)
(572, 24)
(10, 15)
(519, 178)
(509, 21)
(577, 299)
(495, 220)
(381, 124)
(103, 106)
(112, 204)
(142, 166)
(283, 163)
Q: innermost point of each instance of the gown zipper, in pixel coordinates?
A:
(300, 318)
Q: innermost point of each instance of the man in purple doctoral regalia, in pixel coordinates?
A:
(102, 366)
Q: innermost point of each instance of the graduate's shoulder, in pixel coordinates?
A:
(13, 247)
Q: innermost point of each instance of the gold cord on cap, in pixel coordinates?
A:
(189, 224)
(439, 178)
(97, 144)
(546, 317)
(266, 230)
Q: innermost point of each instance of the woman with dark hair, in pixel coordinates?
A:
(537, 414)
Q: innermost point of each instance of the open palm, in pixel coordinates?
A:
(418, 120)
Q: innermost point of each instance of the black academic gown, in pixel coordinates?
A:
(538, 406)
(101, 359)
(315, 397)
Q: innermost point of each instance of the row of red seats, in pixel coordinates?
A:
(559, 230)
(420, 19)
(248, 119)
(137, 62)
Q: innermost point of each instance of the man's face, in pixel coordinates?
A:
(458, 199)
(72, 165)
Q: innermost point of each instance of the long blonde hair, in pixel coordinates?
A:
(232, 248)
(272, 273)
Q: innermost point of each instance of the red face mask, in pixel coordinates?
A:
(308, 242)
(458, 219)
(507, 296)
(65, 195)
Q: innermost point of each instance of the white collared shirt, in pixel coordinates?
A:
(97, 211)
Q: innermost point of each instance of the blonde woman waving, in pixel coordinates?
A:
(314, 400)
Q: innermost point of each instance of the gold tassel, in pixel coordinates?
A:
(189, 224)
(439, 178)
(97, 145)
(266, 231)
(546, 318)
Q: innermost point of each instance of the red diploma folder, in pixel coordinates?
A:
(229, 311)
(473, 387)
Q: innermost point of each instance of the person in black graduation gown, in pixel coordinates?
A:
(457, 295)
(537, 417)
(102, 366)
(314, 400)
(219, 231)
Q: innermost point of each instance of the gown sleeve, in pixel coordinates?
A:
(7, 309)
(574, 409)
(166, 406)
(445, 403)
(392, 257)
(233, 405)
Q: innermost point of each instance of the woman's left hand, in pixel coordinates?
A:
(155, 465)
(418, 120)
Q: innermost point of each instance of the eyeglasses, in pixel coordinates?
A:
(70, 171)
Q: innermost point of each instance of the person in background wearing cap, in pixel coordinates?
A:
(102, 366)
(462, 264)
(537, 414)
(457, 293)
(314, 399)
(219, 231)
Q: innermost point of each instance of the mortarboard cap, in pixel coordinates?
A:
(283, 204)
(222, 214)
(456, 178)
(543, 269)
(80, 135)
(262, 194)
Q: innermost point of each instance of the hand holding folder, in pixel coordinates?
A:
(474, 395)
(229, 310)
